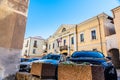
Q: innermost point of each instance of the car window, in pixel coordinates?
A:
(24, 60)
(30, 60)
(91, 54)
(53, 57)
(44, 57)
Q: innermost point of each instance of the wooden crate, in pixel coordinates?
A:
(28, 76)
(80, 72)
(45, 71)
(23, 76)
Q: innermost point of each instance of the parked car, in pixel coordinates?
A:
(51, 58)
(95, 58)
(26, 66)
(23, 59)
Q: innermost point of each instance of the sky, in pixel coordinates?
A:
(46, 16)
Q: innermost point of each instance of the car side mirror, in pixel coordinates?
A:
(109, 58)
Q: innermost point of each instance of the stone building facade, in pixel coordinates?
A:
(115, 51)
(92, 33)
(88, 35)
(99, 33)
(33, 47)
(116, 14)
(63, 40)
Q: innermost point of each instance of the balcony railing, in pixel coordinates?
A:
(63, 47)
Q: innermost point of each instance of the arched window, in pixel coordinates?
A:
(64, 29)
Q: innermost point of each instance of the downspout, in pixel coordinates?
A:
(29, 47)
(69, 45)
(100, 34)
(76, 37)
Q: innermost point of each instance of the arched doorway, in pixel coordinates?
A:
(114, 54)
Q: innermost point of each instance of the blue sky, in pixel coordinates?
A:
(45, 16)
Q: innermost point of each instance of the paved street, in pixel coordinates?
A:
(118, 78)
(118, 73)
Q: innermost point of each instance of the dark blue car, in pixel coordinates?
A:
(54, 59)
(95, 58)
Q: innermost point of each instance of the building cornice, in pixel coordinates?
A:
(115, 9)
(93, 18)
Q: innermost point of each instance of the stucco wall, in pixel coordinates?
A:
(111, 42)
(116, 13)
(12, 23)
(95, 23)
(13, 15)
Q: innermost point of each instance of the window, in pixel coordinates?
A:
(72, 40)
(58, 44)
(95, 49)
(53, 45)
(25, 51)
(49, 46)
(82, 37)
(64, 29)
(27, 44)
(34, 51)
(93, 34)
(35, 44)
(64, 42)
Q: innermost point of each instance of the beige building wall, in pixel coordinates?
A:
(33, 46)
(97, 23)
(116, 14)
(103, 26)
(64, 32)
(111, 42)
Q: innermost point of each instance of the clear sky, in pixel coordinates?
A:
(45, 16)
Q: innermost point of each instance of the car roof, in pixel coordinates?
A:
(88, 52)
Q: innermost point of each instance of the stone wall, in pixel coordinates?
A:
(9, 61)
(13, 15)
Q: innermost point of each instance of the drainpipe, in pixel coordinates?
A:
(68, 45)
(100, 33)
(29, 48)
(76, 37)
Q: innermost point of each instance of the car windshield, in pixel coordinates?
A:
(87, 54)
(51, 56)
(30, 60)
(24, 60)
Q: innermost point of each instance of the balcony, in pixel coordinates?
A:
(63, 47)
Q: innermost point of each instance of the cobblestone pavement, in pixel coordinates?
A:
(118, 74)
(118, 78)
